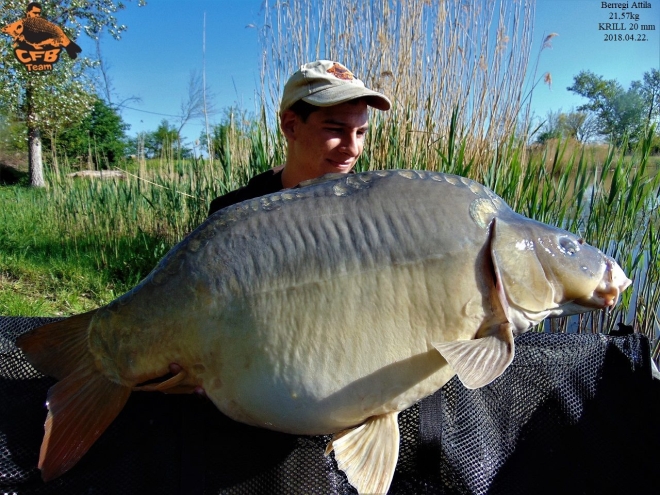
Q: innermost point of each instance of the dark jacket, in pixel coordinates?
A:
(267, 182)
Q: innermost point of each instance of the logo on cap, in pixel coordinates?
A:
(341, 72)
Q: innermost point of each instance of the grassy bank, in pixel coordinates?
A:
(46, 269)
(80, 243)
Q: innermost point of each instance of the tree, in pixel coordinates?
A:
(50, 101)
(575, 125)
(45, 103)
(165, 138)
(550, 127)
(193, 106)
(99, 138)
(236, 124)
(580, 125)
(163, 142)
(619, 113)
(59, 101)
(627, 117)
(649, 90)
(196, 105)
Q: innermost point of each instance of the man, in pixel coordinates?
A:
(33, 10)
(324, 118)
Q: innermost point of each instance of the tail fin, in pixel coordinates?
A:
(59, 348)
(72, 49)
(82, 404)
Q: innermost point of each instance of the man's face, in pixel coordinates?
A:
(34, 12)
(331, 140)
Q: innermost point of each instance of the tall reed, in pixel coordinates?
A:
(431, 58)
(455, 73)
(612, 203)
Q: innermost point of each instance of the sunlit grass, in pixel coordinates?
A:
(82, 242)
(456, 75)
(48, 269)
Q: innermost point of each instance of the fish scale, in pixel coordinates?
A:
(328, 309)
(38, 29)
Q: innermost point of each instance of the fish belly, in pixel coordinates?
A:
(326, 355)
(308, 312)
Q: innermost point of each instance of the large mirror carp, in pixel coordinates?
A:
(324, 309)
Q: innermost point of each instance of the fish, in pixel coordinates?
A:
(325, 309)
(38, 32)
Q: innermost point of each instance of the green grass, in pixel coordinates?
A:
(45, 270)
(81, 243)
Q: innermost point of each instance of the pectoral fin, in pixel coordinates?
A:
(368, 453)
(478, 362)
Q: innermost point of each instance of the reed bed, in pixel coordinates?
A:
(126, 226)
(439, 62)
(455, 73)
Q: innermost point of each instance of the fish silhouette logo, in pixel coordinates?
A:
(341, 72)
(38, 42)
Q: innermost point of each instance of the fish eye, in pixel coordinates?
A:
(569, 246)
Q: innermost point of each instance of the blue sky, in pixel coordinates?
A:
(163, 44)
(581, 46)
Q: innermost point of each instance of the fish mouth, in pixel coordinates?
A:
(613, 283)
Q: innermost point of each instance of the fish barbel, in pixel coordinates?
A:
(324, 309)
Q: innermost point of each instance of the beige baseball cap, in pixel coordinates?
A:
(325, 83)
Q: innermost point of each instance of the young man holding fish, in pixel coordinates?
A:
(324, 117)
(329, 313)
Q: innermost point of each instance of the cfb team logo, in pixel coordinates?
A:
(37, 42)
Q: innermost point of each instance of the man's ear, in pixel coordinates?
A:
(288, 120)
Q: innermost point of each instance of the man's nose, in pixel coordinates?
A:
(351, 144)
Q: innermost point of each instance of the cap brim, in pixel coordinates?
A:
(341, 94)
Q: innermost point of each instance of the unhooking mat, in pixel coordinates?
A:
(573, 414)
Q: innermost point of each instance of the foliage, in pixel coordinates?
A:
(163, 140)
(622, 115)
(51, 101)
(57, 98)
(98, 139)
(649, 90)
(12, 134)
(65, 91)
(165, 143)
(572, 125)
(43, 272)
(234, 129)
(430, 58)
(74, 16)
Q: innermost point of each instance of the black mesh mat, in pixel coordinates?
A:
(572, 414)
